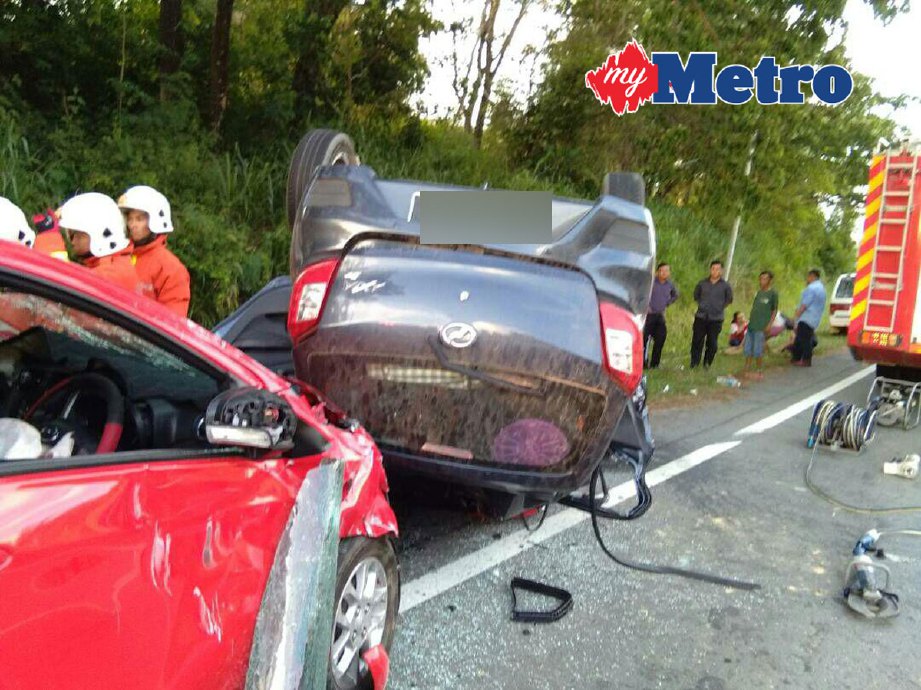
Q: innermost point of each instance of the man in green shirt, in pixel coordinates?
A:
(764, 309)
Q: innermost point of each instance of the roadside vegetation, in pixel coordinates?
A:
(207, 106)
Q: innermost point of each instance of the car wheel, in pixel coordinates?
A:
(367, 601)
(317, 147)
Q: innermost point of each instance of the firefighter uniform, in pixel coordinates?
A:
(116, 268)
(51, 243)
(161, 276)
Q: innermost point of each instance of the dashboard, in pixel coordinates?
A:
(163, 402)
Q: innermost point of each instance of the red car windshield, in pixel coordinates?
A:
(70, 333)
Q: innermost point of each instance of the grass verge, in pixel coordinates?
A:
(674, 384)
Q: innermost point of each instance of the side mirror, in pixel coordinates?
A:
(251, 418)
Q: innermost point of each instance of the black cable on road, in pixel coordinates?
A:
(645, 500)
(860, 510)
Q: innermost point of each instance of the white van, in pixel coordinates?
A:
(839, 306)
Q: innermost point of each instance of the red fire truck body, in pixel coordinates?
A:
(885, 325)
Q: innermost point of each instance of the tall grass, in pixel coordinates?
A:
(226, 207)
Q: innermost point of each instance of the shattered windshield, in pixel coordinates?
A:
(45, 328)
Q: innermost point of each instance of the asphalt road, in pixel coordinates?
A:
(725, 502)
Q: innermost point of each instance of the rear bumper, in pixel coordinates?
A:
(539, 486)
(891, 356)
(883, 348)
(839, 319)
(633, 435)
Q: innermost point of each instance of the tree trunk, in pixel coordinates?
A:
(487, 70)
(481, 111)
(485, 60)
(220, 61)
(171, 42)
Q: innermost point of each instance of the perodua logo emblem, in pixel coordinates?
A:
(458, 334)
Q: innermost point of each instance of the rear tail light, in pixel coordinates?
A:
(838, 307)
(308, 297)
(622, 342)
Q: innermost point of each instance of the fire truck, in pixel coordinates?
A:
(885, 323)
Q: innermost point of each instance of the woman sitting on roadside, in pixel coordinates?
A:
(737, 329)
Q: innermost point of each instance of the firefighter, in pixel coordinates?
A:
(96, 229)
(14, 316)
(161, 275)
(13, 224)
(48, 239)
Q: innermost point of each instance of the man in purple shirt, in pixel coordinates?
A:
(663, 294)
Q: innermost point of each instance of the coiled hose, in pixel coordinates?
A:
(842, 425)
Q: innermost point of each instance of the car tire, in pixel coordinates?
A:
(377, 556)
(317, 147)
(625, 185)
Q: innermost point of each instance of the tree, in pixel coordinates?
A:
(474, 87)
(220, 61)
(809, 159)
(311, 45)
(171, 42)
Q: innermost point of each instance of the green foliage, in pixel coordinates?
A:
(225, 206)
(83, 107)
(694, 157)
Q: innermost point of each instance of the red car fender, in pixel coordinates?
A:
(365, 508)
(366, 512)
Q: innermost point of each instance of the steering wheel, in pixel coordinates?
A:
(76, 387)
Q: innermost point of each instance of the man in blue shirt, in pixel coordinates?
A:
(807, 318)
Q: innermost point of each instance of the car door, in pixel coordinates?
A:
(73, 549)
(143, 575)
(143, 567)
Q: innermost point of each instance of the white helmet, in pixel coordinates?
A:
(151, 202)
(99, 217)
(13, 224)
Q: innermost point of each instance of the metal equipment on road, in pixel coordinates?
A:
(867, 581)
(842, 426)
(899, 402)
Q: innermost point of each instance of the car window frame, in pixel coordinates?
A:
(841, 279)
(102, 310)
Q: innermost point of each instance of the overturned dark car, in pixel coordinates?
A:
(507, 367)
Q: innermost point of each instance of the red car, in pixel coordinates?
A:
(176, 522)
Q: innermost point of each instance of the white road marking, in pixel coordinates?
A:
(804, 404)
(466, 567)
(452, 574)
